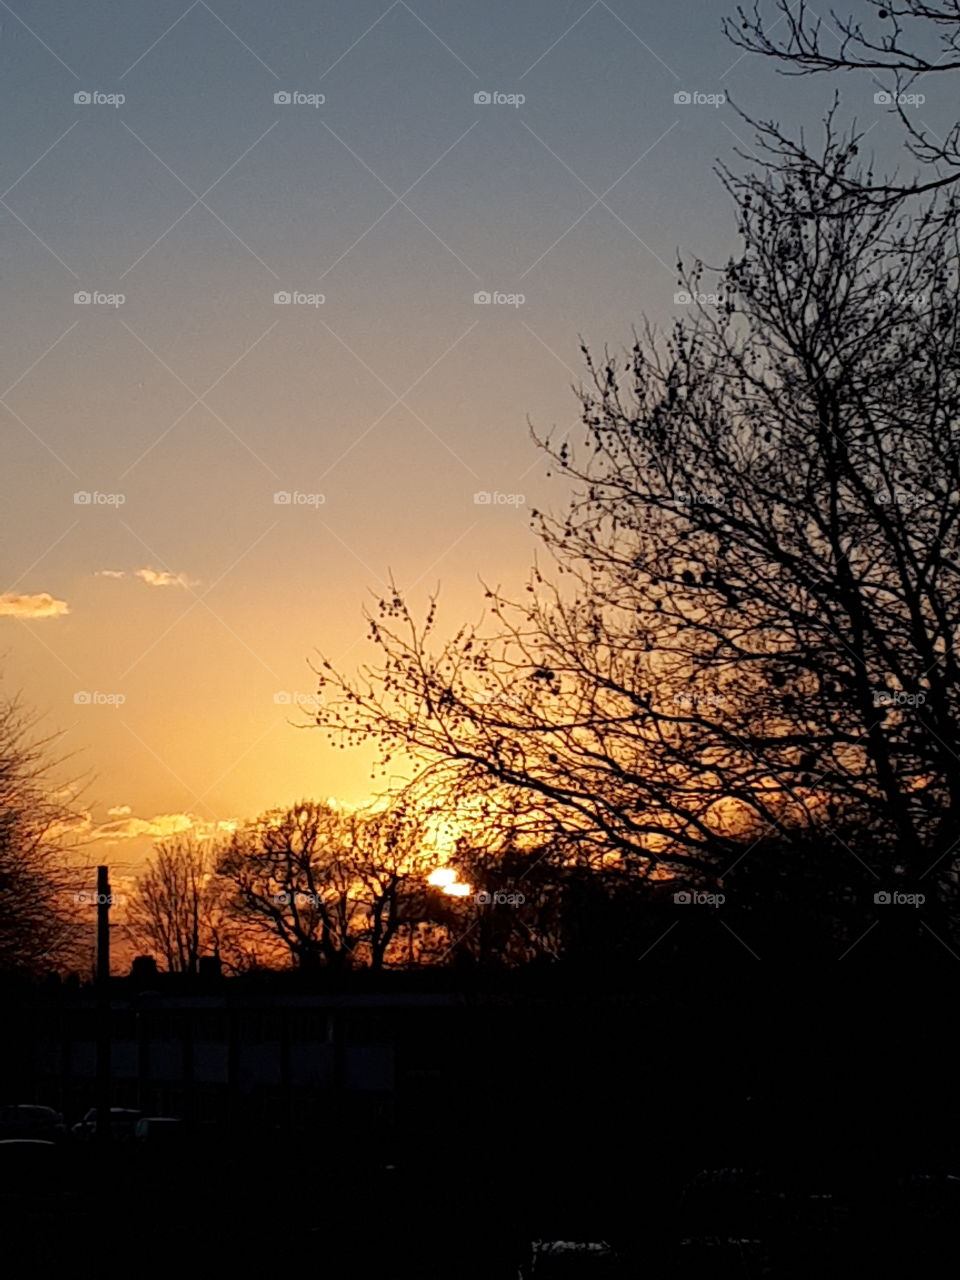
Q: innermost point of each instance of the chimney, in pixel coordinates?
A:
(104, 1049)
(103, 925)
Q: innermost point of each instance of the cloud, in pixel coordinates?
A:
(41, 605)
(134, 838)
(156, 828)
(164, 578)
(152, 577)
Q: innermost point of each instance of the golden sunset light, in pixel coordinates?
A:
(480, 637)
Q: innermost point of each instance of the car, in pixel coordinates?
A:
(122, 1122)
(159, 1131)
(571, 1259)
(25, 1120)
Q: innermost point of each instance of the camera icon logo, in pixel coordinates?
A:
(283, 298)
(81, 99)
(682, 298)
(883, 99)
(682, 896)
(282, 498)
(482, 298)
(82, 299)
(82, 498)
(282, 99)
(281, 899)
(482, 99)
(883, 898)
(483, 498)
(82, 699)
(282, 699)
(682, 98)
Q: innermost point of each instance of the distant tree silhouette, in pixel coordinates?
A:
(42, 922)
(328, 887)
(752, 626)
(173, 912)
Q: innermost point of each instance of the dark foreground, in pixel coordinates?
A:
(282, 1206)
(719, 1129)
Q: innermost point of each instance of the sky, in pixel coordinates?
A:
(283, 286)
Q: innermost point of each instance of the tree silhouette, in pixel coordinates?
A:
(173, 912)
(42, 922)
(752, 624)
(326, 887)
(901, 44)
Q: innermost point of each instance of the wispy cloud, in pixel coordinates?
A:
(41, 605)
(164, 578)
(128, 828)
(152, 577)
(119, 811)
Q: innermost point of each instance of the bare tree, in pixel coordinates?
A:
(752, 626)
(41, 924)
(391, 859)
(902, 43)
(329, 887)
(173, 912)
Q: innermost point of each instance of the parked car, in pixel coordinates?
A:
(571, 1260)
(122, 1122)
(24, 1120)
(159, 1131)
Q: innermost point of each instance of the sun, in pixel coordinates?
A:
(446, 879)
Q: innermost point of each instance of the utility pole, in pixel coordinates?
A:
(103, 1006)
